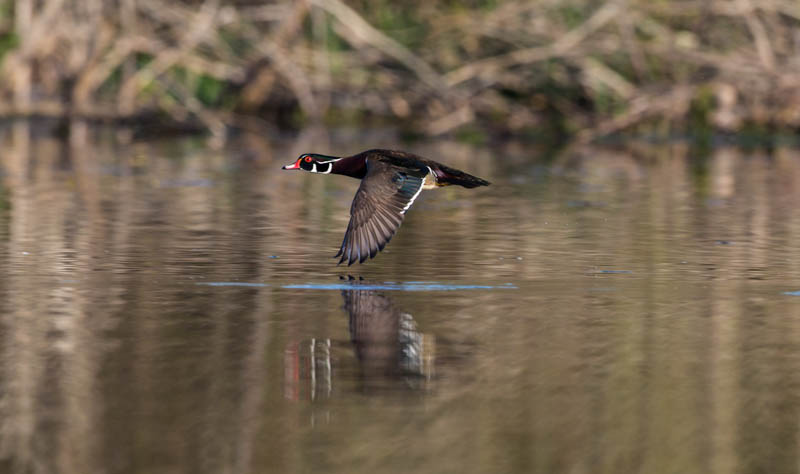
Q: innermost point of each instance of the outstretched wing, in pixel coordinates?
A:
(385, 194)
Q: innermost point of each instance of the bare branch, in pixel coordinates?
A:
(531, 55)
(759, 34)
(364, 31)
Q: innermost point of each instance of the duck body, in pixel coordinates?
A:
(438, 174)
(390, 182)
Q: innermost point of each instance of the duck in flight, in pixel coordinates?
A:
(390, 182)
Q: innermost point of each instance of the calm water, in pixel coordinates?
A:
(169, 308)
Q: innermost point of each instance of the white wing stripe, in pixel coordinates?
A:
(421, 185)
(413, 197)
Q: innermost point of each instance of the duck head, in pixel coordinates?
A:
(312, 162)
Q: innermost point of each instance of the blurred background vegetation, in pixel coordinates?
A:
(576, 69)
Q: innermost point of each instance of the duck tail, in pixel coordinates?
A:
(446, 176)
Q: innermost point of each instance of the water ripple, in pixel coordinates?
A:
(390, 286)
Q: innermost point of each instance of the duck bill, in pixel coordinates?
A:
(292, 166)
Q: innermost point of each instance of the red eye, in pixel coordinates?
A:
(308, 159)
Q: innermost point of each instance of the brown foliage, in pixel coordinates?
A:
(514, 66)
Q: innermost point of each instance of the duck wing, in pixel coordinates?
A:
(386, 193)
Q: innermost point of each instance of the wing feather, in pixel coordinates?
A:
(378, 208)
(373, 241)
(360, 245)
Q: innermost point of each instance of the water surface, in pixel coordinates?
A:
(170, 308)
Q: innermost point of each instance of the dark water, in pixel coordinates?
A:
(169, 308)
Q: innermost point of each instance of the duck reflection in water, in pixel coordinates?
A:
(390, 352)
(386, 339)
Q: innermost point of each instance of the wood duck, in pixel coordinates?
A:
(390, 182)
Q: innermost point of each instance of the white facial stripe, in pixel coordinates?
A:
(322, 170)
